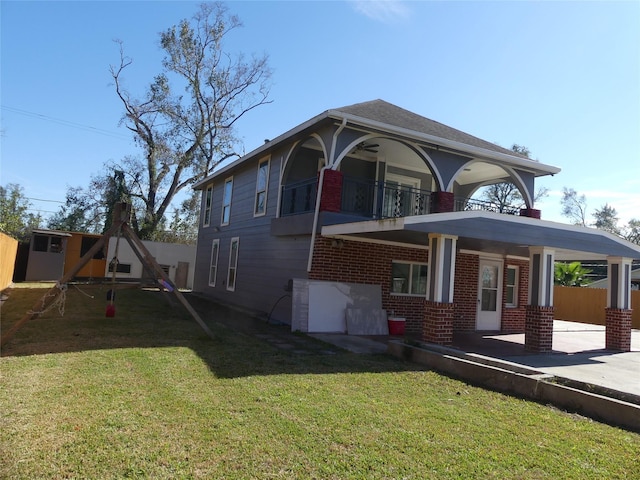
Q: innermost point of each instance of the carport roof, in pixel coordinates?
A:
(492, 233)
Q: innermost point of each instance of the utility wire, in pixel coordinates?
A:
(66, 123)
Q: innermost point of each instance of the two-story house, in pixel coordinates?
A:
(371, 204)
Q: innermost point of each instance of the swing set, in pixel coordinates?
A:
(120, 227)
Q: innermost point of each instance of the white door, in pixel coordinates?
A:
(489, 295)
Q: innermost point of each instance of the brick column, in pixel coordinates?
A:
(442, 202)
(538, 334)
(438, 323)
(530, 212)
(618, 329)
(331, 200)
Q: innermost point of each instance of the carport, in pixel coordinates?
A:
(538, 241)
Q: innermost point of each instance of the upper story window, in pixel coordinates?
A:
(262, 183)
(511, 287)
(409, 278)
(226, 200)
(206, 214)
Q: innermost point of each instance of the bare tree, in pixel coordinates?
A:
(185, 135)
(574, 206)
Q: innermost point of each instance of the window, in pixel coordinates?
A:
(213, 269)
(511, 287)
(40, 243)
(206, 214)
(86, 244)
(120, 268)
(409, 278)
(46, 243)
(261, 187)
(226, 200)
(233, 264)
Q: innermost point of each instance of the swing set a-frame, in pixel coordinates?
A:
(120, 227)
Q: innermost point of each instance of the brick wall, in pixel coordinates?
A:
(618, 329)
(369, 263)
(513, 319)
(465, 292)
(438, 323)
(538, 336)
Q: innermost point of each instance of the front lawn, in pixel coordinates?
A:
(147, 394)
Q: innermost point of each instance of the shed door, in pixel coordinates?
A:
(489, 295)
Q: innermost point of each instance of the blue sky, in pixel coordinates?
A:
(562, 78)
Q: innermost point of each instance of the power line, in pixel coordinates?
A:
(66, 123)
(43, 200)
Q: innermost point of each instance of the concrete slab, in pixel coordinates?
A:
(578, 354)
(353, 343)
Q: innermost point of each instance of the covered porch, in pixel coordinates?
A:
(538, 243)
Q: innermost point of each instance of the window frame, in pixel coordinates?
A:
(226, 202)
(208, 203)
(213, 265)
(232, 287)
(411, 265)
(507, 286)
(265, 190)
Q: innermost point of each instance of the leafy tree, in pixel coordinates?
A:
(15, 219)
(570, 274)
(80, 213)
(606, 218)
(185, 121)
(574, 206)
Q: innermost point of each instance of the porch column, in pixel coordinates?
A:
(331, 200)
(618, 311)
(538, 335)
(437, 326)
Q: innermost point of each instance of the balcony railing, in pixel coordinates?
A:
(299, 197)
(466, 204)
(383, 200)
(377, 200)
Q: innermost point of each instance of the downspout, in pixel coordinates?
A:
(319, 192)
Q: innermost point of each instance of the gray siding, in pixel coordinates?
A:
(265, 262)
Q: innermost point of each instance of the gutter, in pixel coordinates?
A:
(316, 214)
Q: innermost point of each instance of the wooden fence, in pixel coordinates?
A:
(587, 305)
(8, 250)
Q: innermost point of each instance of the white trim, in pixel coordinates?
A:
(207, 221)
(230, 287)
(224, 191)
(379, 242)
(216, 243)
(516, 285)
(263, 160)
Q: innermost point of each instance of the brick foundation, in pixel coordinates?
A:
(538, 335)
(438, 323)
(618, 333)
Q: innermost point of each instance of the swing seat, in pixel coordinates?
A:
(111, 311)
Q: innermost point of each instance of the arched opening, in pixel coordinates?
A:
(486, 186)
(385, 178)
(300, 177)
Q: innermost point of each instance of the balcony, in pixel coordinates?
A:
(371, 199)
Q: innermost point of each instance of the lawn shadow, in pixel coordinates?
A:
(243, 344)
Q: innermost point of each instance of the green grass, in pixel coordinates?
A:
(148, 395)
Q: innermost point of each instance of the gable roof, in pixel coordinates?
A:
(385, 112)
(384, 116)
